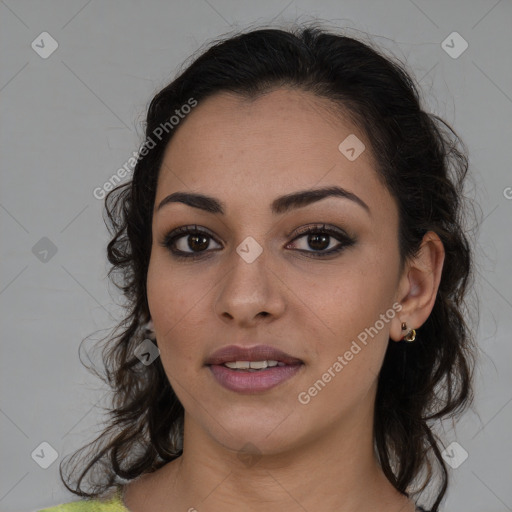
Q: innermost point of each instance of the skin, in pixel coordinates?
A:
(246, 153)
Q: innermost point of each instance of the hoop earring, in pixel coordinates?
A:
(410, 336)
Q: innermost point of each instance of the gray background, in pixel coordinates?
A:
(69, 121)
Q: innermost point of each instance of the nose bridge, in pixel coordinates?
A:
(248, 275)
(250, 286)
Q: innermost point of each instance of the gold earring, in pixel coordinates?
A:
(410, 336)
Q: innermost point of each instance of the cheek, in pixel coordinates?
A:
(165, 300)
(172, 292)
(350, 300)
(176, 300)
(349, 326)
(348, 347)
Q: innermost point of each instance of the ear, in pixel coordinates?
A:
(418, 285)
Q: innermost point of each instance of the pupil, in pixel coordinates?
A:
(318, 241)
(194, 238)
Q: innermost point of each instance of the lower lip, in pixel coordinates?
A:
(253, 382)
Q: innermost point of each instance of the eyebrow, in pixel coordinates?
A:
(279, 206)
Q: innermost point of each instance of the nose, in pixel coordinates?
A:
(249, 292)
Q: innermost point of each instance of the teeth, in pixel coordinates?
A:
(258, 365)
(254, 365)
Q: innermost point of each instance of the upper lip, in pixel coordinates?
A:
(255, 353)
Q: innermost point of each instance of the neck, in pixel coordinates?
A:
(337, 470)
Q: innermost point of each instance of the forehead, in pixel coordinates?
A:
(256, 149)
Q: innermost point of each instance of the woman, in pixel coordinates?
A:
(292, 243)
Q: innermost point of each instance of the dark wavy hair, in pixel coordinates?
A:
(422, 162)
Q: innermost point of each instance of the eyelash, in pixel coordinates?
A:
(170, 239)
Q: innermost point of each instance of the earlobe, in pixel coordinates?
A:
(418, 287)
(149, 329)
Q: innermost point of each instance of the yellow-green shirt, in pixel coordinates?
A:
(112, 504)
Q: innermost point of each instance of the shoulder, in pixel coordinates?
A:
(111, 503)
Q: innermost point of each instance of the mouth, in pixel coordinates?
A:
(252, 370)
(257, 357)
(252, 366)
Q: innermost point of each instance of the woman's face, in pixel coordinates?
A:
(257, 279)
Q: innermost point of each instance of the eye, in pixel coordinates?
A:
(321, 238)
(189, 242)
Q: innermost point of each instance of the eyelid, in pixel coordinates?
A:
(175, 234)
(319, 227)
(344, 239)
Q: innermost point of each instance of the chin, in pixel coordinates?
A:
(266, 432)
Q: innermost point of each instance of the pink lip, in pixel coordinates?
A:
(243, 381)
(256, 353)
(253, 382)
